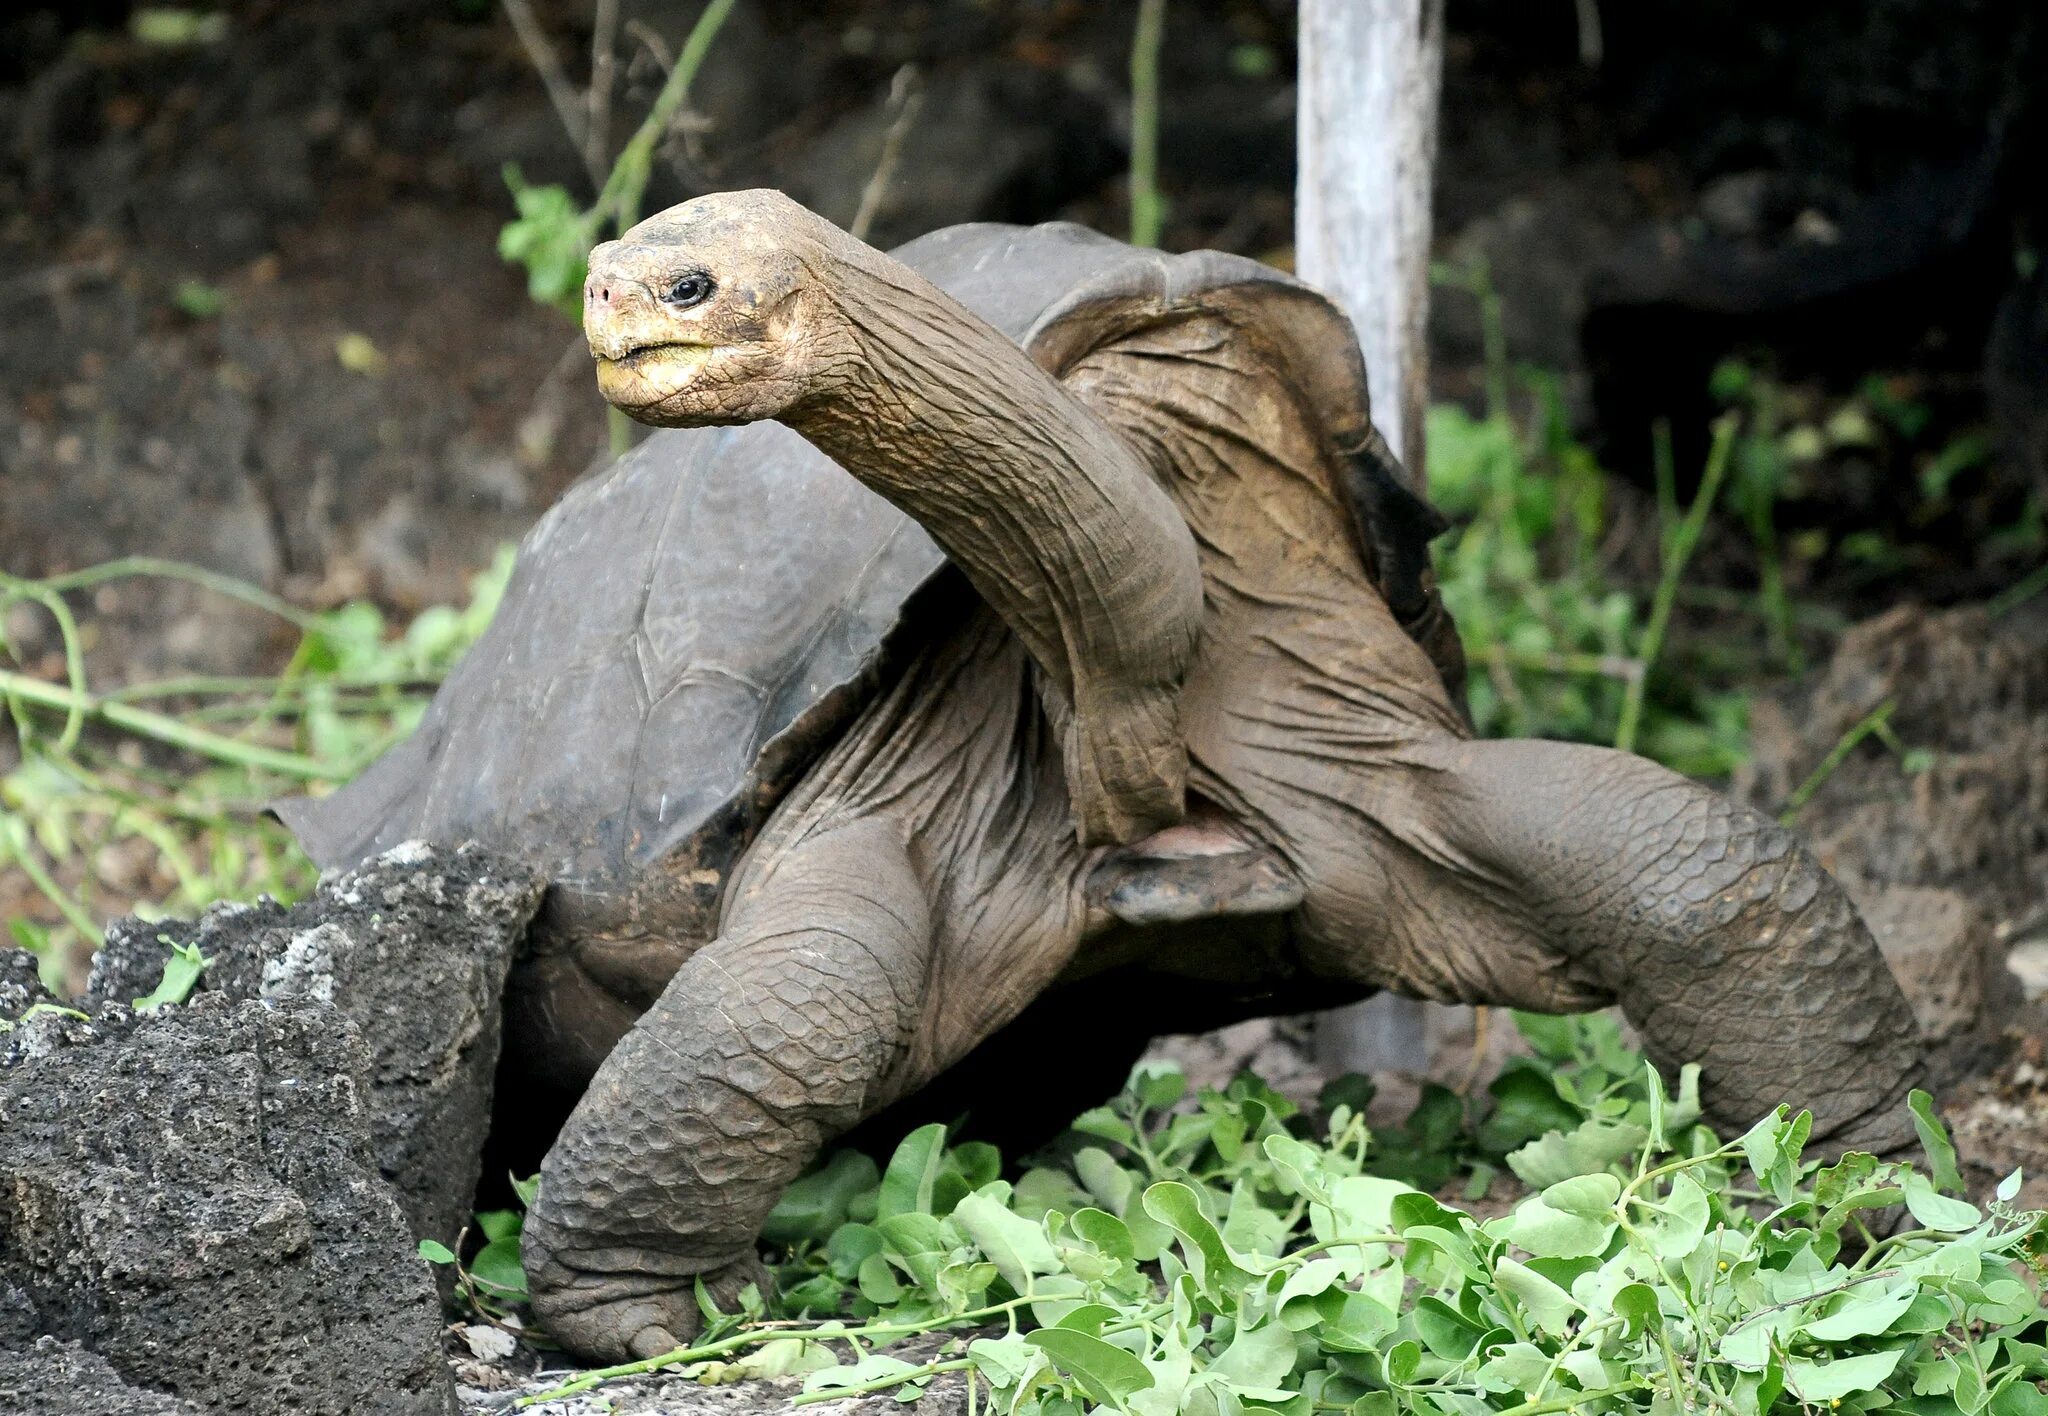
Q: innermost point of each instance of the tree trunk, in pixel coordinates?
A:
(1366, 123)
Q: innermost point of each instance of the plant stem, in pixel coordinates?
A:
(228, 585)
(221, 685)
(1872, 722)
(820, 1332)
(67, 631)
(17, 842)
(627, 184)
(1148, 208)
(1680, 549)
(894, 1379)
(561, 94)
(2017, 594)
(167, 730)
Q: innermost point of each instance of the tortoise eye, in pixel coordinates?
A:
(693, 289)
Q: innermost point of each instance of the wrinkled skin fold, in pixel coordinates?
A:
(930, 876)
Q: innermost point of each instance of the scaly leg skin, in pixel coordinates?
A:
(774, 1038)
(1722, 937)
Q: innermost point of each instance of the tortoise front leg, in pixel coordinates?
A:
(767, 1043)
(1722, 937)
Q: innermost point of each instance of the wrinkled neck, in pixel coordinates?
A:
(1048, 512)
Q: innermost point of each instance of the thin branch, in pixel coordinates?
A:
(620, 194)
(1592, 45)
(1148, 208)
(561, 93)
(604, 34)
(905, 98)
(1677, 550)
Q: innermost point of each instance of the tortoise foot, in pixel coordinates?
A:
(631, 1309)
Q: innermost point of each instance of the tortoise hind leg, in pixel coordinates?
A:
(1719, 933)
(771, 1040)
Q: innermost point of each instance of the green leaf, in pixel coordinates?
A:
(1863, 1311)
(1935, 1210)
(1588, 1196)
(1109, 1183)
(1592, 1146)
(497, 1268)
(181, 976)
(1941, 1151)
(1004, 1362)
(1636, 1304)
(1209, 1260)
(1548, 1306)
(1681, 1219)
(500, 1224)
(1355, 1322)
(1015, 1245)
(1108, 1374)
(1517, 1367)
(907, 1184)
(1296, 1305)
(1105, 1231)
(878, 1281)
(1825, 1381)
(1258, 1357)
(1548, 1232)
(817, 1204)
(1445, 1331)
(1300, 1165)
(435, 1252)
(551, 237)
(874, 1367)
(1157, 1084)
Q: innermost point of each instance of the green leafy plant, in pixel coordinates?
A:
(181, 975)
(173, 776)
(1561, 646)
(492, 1280)
(1220, 1254)
(553, 232)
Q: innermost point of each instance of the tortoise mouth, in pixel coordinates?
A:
(652, 374)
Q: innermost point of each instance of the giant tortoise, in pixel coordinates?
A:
(1068, 639)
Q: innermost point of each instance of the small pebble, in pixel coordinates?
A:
(488, 1343)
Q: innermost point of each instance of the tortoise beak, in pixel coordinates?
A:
(640, 380)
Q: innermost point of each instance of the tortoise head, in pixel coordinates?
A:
(715, 311)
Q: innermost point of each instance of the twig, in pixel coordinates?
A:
(561, 93)
(1875, 721)
(604, 33)
(152, 567)
(623, 190)
(15, 841)
(893, 1379)
(1614, 666)
(2015, 595)
(905, 99)
(656, 46)
(1682, 543)
(1592, 46)
(1148, 208)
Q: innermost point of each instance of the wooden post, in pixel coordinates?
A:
(1366, 120)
